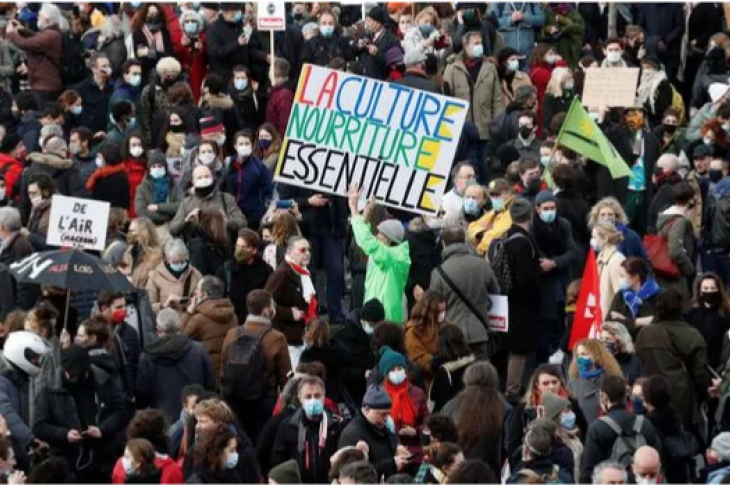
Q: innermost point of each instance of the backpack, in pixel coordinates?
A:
(499, 258)
(243, 371)
(626, 443)
(73, 65)
(678, 104)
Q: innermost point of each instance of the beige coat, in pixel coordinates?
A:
(521, 79)
(161, 285)
(695, 214)
(484, 96)
(609, 266)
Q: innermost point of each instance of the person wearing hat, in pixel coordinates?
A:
(558, 252)
(699, 180)
(525, 271)
(540, 450)
(287, 472)
(415, 75)
(374, 426)
(81, 415)
(654, 92)
(355, 337)
(495, 223)
(153, 100)
(378, 40)
(157, 197)
(389, 258)
(718, 459)
(209, 11)
(510, 76)
(394, 62)
(718, 94)
(328, 44)
(519, 23)
(11, 168)
(558, 409)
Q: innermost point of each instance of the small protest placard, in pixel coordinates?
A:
(271, 16)
(498, 318)
(78, 223)
(612, 87)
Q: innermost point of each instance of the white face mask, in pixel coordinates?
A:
(203, 183)
(99, 162)
(136, 151)
(244, 150)
(221, 140)
(646, 480)
(36, 201)
(2, 193)
(442, 317)
(206, 158)
(613, 57)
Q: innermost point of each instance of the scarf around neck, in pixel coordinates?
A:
(634, 300)
(403, 410)
(650, 82)
(154, 39)
(162, 189)
(590, 374)
(308, 291)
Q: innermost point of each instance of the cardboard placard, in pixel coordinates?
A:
(612, 87)
(78, 223)
(396, 143)
(498, 318)
(271, 16)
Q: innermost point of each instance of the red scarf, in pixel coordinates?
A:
(304, 273)
(403, 410)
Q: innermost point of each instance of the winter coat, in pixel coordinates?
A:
(285, 286)
(145, 196)
(110, 184)
(498, 222)
(57, 413)
(277, 363)
(43, 50)
(554, 283)
(139, 40)
(484, 95)
(15, 406)
(631, 245)
(127, 349)
(313, 453)
(251, 185)
(320, 50)
(375, 66)
(387, 270)
(665, 21)
(235, 220)
(126, 92)
(195, 62)
(425, 253)
(63, 172)
(418, 79)
(161, 284)
(601, 438)
(40, 217)
(678, 352)
(551, 106)
(448, 381)
(696, 122)
(153, 102)
(209, 324)
(141, 265)
(587, 394)
(569, 43)
(678, 230)
(381, 443)
(510, 86)
(224, 51)
(167, 472)
(609, 266)
(623, 139)
(241, 279)
(49, 367)
(166, 367)
(29, 130)
(279, 108)
(518, 35)
(11, 170)
(421, 348)
(95, 115)
(359, 359)
(476, 280)
(618, 305)
(713, 326)
(330, 220)
(523, 254)
(630, 366)
(668, 425)
(715, 235)
(250, 107)
(662, 200)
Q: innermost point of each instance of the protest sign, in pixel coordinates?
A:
(612, 87)
(394, 142)
(78, 223)
(271, 16)
(498, 318)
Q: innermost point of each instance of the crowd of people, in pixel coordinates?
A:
(278, 334)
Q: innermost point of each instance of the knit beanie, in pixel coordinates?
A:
(377, 398)
(545, 196)
(372, 311)
(554, 405)
(392, 229)
(721, 446)
(75, 360)
(389, 359)
(209, 125)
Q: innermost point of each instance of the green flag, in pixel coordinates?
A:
(581, 134)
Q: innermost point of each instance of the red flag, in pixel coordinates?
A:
(588, 317)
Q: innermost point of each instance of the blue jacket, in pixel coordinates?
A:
(631, 245)
(521, 35)
(251, 185)
(15, 408)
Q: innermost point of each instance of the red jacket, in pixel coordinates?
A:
(11, 169)
(135, 173)
(171, 472)
(195, 61)
(540, 75)
(279, 108)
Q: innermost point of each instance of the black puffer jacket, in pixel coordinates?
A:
(381, 442)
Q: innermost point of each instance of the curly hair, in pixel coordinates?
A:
(715, 127)
(425, 313)
(612, 203)
(601, 357)
(217, 410)
(41, 319)
(211, 445)
(152, 425)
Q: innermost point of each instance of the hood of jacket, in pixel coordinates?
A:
(101, 358)
(221, 310)
(219, 101)
(459, 363)
(9, 371)
(51, 160)
(669, 215)
(169, 349)
(456, 250)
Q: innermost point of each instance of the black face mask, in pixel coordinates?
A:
(715, 176)
(533, 185)
(177, 128)
(525, 131)
(154, 25)
(204, 191)
(670, 129)
(168, 82)
(712, 298)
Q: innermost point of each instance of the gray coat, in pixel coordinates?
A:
(234, 217)
(49, 367)
(588, 394)
(15, 408)
(145, 196)
(679, 231)
(474, 277)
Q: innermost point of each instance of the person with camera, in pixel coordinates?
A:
(192, 48)
(377, 41)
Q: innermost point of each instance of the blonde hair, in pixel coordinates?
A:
(428, 12)
(147, 236)
(622, 335)
(217, 410)
(557, 78)
(601, 357)
(614, 204)
(609, 232)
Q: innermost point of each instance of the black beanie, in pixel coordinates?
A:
(75, 360)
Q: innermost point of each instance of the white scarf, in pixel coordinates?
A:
(648, 87)
(308, 290)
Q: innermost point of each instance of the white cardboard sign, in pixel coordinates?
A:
(498, 318)
(78, 223)
(271, 16)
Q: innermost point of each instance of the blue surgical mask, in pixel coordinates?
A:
(639, 406)
(548, 216)
(426, 30)
(127, 465)
(77, 110)
(135, 4)
(135, 80)
(584, 363)
(471, 207)
(237, 17)
(240, 84)
(179, 267)
(610, 346)
(545, 161)
(726, 127)
(232, 460)
(596, 245)
(368, 329)
(191, 28)
(567, 420)
(132, 121)
(397, 377)
(157, 172)
(513, 65)
(390, 424)
(327, 30)
(497, 203)
(313, 407)
(477, 51)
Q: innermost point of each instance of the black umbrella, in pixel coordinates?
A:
(73, 270)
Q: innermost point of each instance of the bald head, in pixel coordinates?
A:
(647, 463)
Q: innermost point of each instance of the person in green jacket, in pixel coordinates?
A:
(389, 258)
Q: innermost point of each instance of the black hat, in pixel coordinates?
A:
(506, 53)
(653, 61)
(211, 5)
(702, 151)
(10, 141)
(372, 311)
(75, 360)
(227, 7)
(379, 15)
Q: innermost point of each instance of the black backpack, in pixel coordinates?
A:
(243, 371)
(499, 258)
